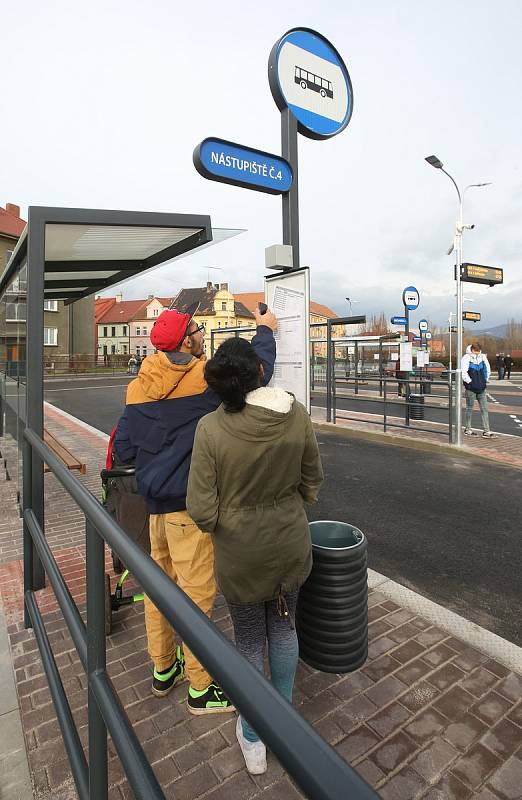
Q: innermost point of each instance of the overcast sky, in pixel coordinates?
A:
(106, 101)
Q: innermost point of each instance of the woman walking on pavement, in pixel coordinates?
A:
(255, 463)
(475, 374)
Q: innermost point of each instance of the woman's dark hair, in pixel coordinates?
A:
(233, 372)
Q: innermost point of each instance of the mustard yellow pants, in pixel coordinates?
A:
(186, 554)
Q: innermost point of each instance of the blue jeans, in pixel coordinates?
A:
(258, 623)
(483, 405)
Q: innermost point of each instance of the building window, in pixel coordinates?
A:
(144, 352)
(51, 336)
(155, 312)
(113, 330)
(125, 330)
(137, 350)
(105, 331)
(50, 305)
(223, 306)
(144, 330)
(124, 349)
(113, 349)
(15, 312)
(138, 331)
(104, 349)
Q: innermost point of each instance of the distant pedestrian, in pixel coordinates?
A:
(500, 366)
(508, 363)
(139, 362)
(131, 365)
(475, 374)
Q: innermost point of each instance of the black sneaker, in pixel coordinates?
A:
(211, 700)
(164, 681)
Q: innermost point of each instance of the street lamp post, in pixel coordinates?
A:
(457, 245)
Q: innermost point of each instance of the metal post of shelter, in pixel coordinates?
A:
(329, 371)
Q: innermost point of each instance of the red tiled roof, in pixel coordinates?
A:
(251, 299)
(101, 306)
(11, 225)
(123, 311)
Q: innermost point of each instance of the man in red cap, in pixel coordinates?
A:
(163, 407)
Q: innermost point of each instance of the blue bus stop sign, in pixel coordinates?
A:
(423, 325)
(411, 298)
(308, 76)
(399, 321)
(227, 162)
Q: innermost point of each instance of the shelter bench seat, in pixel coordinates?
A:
(59, 449)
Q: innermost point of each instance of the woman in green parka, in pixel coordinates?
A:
(255, 463)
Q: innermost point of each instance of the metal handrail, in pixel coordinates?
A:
(312, 762)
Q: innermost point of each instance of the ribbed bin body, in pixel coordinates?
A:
(332, 610)
(417, 406)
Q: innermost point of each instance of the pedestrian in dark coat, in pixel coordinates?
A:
(508, 363)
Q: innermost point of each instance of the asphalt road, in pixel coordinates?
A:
(445, 525)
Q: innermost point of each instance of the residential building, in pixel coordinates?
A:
(319, 315)
(218, 308)
(67, 329)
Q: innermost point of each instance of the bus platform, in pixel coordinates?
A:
(434, 713)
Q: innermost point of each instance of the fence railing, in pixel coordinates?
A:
(411, 406)
(315, 766)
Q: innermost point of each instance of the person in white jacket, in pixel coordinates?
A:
(475, 374)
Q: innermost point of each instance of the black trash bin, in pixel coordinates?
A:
(426, 385)
(416, 406)
(332, 610)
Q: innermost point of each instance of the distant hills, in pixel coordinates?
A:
(498, 330)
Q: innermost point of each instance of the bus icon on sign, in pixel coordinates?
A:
(307, 80)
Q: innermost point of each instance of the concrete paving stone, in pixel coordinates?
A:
(413, 671)
(403, 633)
(497, 669)
(479, 682)
(426, 725)
(400, 617)
(380, 668)
(228, 762)
(238, 787)
(375, 613)
(357, 743)
(274, 772)
(375, 598)
(456, 644)
(454, 703)
(467, 730)
(406, 784)
(385, 691)
(446, 676)
(469, 659)
(197, 752)
(370, 772)
(318, 683)
(389, 605)
(167, 744)
(448, 788)
(353, 712)
(408, 651)
(388, 719)
(352, 685)
(421, 623)
(485, 794)
(431, 637)
(474, 767)
(491, 707)
(391, 754)
(330, 730)
(200, 726)
(379, 647)
(515, 715)
(420, 695)
(377, 629)
(316, 707)
(194, 783)
(511, 687)
(282, 790)
(504, 738)
(507, 781)
(434, 759)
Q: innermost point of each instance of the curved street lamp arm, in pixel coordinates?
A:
(454, 183)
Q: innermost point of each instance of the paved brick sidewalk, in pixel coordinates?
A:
(427, 716)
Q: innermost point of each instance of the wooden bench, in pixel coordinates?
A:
(70, 461)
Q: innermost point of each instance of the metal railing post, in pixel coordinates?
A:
(328, 371)
(384, 407)
(450, 409)
(96, 660)
(27, 490)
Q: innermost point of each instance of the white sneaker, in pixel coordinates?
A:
(254, 753)
(468, 432)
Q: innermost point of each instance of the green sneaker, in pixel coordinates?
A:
(164, 681)
(211, 700)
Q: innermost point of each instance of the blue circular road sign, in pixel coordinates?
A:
(411, 298)
(308, 76)
(423, 325)
(428, 336)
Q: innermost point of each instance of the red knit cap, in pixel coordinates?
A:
(170, 328)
